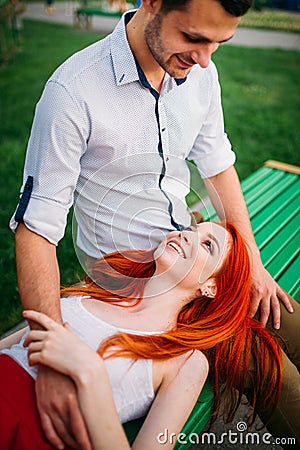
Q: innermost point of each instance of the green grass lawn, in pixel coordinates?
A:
(261, 103)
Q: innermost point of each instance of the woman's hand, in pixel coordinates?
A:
(58, 347)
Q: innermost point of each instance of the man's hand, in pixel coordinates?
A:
(266, 294)
(60, 415)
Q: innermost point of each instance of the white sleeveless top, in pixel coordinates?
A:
(131, 381)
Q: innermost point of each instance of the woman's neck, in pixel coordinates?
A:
(162, 299)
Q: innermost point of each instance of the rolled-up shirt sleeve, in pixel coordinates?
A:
(57, 142)
(212, 151)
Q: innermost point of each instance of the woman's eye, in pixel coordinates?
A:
(209, 246)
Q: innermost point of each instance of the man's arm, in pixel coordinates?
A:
(226, 195)
(39, 287)
(37, 273)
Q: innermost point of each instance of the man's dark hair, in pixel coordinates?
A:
(236, 8)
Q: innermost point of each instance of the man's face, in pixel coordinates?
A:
(180, 39)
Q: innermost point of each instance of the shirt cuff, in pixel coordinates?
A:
(44, 217)
(211, 164)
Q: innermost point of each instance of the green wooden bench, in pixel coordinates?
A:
(272, 194)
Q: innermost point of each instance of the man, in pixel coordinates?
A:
(112, 129)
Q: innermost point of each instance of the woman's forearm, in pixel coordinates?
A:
(98, 408)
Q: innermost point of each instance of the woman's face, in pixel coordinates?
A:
(191, 256)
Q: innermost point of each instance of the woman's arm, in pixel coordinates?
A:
(98, 407)
(180, 388)
(183, 378)
(61, 349)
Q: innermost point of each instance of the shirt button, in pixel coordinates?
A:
(163, 129)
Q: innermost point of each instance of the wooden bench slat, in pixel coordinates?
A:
(282, 235)
(267, 192)
(290, 279)
(273, 209)
(271, 178)
(269, 231)
(254, 178)
(288, 253)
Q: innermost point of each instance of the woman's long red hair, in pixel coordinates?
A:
(235, 345)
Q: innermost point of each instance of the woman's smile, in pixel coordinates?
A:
(176, 246)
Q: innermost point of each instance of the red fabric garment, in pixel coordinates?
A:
(20, 427)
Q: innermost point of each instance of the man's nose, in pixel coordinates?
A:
(203, 54)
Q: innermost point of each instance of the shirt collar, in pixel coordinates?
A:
(123, 60)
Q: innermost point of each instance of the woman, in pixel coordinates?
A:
(161, 316)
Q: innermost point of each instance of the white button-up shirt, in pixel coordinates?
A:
(103, 139)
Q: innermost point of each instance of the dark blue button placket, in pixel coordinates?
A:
(155, 94)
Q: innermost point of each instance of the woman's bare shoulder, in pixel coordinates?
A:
(192, 366)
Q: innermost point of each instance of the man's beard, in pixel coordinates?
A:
(155, 45)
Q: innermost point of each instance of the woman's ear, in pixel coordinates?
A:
(208, 288)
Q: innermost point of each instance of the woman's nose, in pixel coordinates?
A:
(183, 236)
